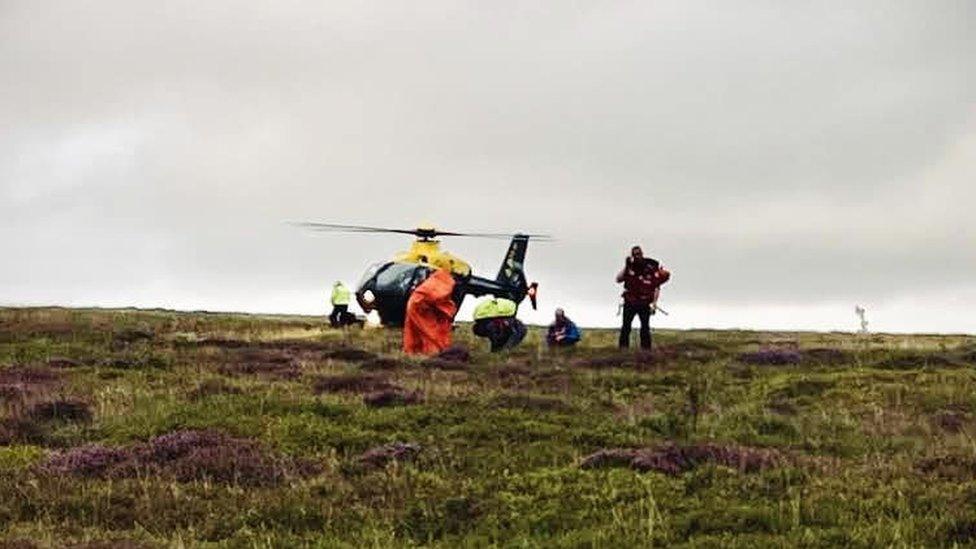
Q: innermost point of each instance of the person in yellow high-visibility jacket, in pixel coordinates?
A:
(494, 320)
(340, 304)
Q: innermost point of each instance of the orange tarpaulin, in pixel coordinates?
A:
(430, 315)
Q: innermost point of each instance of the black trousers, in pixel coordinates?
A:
(335, 318)
(643, 312)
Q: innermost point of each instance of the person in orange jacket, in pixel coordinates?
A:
(430, 315)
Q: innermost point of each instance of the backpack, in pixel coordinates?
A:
(640, 287)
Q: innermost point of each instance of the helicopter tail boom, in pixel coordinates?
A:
(510, 282)
(478, 286)
(512, 271)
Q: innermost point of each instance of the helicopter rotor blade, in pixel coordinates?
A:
(494, 235)
(419, 232)
(337, 228)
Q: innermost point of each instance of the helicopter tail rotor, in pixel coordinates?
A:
(533, 292)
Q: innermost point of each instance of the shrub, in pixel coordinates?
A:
(804, 387)
(381, 455)
(354, 382)
(112, 544)
(28, 377)
(435, 363)
(455, 353)
(20, 430)
(63, 363)
(382, 363)
(672, 459)
(910, 360)
(213, 387)
(952, 466)
(613, 457)
(93, 460)
(667, 425)
(18, 544)
(71, 409)
(350, 354)
(276, 370)
(698, 351)
(133, 335)
(639, 360)
(138, 362)
(299, 346)
(771, 357)
(391, 397)
(532, 402)
(827, 356)
(182, 456)
(962, 530)
(218, 342)
(951, 421)
(968, 353)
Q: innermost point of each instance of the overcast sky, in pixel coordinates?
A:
(786, 160)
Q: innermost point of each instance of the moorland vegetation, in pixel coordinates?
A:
(125, 428)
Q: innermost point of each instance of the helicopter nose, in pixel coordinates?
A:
(366, 300)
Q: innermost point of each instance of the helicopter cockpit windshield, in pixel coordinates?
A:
(399, 278)
(386, 287)
(370, 273)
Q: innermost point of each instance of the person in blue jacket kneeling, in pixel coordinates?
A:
(563, 331)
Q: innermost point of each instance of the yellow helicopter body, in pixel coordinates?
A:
(429, 252)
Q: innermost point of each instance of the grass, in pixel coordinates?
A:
(124, 428)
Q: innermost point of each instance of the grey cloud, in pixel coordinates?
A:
(768, 152)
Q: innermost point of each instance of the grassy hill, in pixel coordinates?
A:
(125, 428)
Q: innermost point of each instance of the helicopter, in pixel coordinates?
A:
(386, 286)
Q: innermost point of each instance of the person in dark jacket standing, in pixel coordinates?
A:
(642, 278)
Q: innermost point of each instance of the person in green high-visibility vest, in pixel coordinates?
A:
(340, 304)
(494, 319)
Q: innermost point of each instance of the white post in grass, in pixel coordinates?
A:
(861, 314)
